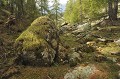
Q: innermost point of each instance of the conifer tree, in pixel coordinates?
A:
(56, 10)
(78, 10)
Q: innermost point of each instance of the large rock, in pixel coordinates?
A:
(63, 55)
(83, 28)
(74, 58)
(36, 44)
(85, 72)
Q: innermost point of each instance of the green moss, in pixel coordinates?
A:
(42, 21)
(109, 32)
(109, 48)
(30, 40)
(35, 35)
(69, 40)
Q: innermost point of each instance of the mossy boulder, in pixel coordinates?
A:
(36, 44)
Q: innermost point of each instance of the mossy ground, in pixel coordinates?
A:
(54, 72)
(69, 40)
(112, 33)
(108, 32)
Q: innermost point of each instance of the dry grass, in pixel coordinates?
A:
(42, 72)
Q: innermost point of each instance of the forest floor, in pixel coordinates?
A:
(104, 46)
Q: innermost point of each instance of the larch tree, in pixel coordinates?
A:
(68, 14)
(43, 6)
(56, 11)
(78, 10)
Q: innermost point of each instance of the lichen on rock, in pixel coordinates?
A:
(86, 72)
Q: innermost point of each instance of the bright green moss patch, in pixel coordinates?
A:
(109, 48)
(36, 34)
(30, 40)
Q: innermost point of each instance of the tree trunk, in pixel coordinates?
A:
(56, 17)
(56, 59)
(81, 20)
(11, 7)
(115, 9)
(112, 9)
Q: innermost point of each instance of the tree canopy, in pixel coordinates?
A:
(77, 10)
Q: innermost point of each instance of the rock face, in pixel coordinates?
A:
(117, 41)
(74, 59)
(100, 58)
(83, 28)
(85, 72)
(36, 44)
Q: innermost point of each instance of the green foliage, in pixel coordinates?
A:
(43, 7)
(108, 49)
(56, 11)
(76, 10)
(31, 9)
(68, 15)
(27, 9)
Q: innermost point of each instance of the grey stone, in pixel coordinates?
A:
(74, 59)
(117, 42)
(83, 72)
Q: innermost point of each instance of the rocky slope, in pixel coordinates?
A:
(88, 52)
